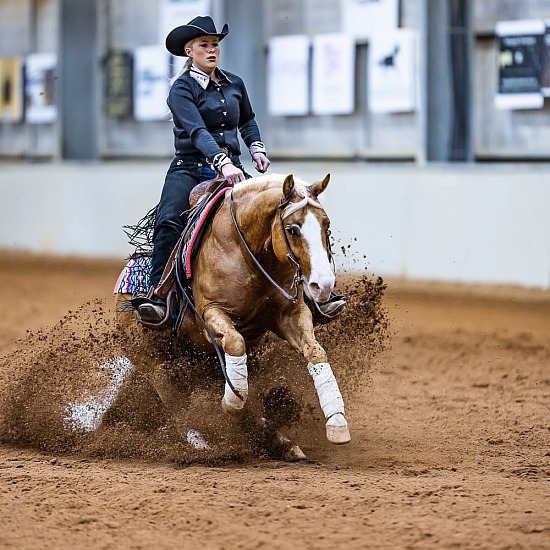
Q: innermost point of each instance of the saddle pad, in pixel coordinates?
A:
(192, 244)
(134, 277)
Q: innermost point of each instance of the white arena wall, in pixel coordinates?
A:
(479, 223)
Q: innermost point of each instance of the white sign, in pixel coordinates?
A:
(365, 18)
(521, 49)
(392, 72)
(40, 74)
(333, 74)
(288, 75)
(174, 13)
(151, 83)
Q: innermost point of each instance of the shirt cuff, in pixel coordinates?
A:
(257, 147)
(220, 160)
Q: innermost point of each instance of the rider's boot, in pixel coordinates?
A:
(332, 308)
(152, 311)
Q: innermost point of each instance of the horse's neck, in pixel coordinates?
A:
(255, 210)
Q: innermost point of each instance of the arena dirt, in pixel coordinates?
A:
(447, 389)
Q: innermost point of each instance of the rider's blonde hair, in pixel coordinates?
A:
(186, 66)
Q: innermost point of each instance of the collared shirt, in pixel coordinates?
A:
(206, 115)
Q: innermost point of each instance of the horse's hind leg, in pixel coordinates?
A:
(142, 346)
(174, 398)
(274, 443)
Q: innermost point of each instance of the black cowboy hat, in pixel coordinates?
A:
(200, 26)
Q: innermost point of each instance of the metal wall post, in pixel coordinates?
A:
(448, 42)
(78, 79)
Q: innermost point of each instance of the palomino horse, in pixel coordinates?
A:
(269, 234)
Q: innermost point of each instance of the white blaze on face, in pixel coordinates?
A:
(321, 279)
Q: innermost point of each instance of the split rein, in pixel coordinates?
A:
(290, 254)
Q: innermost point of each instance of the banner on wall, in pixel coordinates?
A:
(174, 13)
(365, 18)
(119, 84)
(40, 74)
(333, 74)
(288, 75)
(520, 64)
(545, 83)
(392, 72)
(151, 83)
(11, 90)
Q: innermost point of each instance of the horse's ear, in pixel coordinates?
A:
(288, 186)
(319, 186)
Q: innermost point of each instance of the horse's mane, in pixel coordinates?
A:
(270, 182)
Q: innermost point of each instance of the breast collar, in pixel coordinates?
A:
(202, 78)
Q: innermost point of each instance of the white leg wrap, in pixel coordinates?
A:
(331, 402)
(330, 398)
(237, 373)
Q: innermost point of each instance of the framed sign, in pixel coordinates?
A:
(520, 64)
(392, 72)
(333, 74)
(288, 75)
(174, 13)
(119, 84)
(151, 83)
(366, 18)
(11, 90)
(40, 74)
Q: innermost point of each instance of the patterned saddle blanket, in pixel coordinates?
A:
(134, 278)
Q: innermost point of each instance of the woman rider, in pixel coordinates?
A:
(208, 106)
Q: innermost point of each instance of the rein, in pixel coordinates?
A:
(290, 255)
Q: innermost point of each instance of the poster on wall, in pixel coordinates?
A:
(11, 90)
(288, 75)
(365, 18)
(520, 64)
(40, 74)
(151, 83)
(333, 74)
(392, 72)
(119, 84)
(546, 61)
(174, 13)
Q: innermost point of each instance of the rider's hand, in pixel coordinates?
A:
(232, 174)
(261, 161)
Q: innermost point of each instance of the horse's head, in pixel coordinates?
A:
(302, 232)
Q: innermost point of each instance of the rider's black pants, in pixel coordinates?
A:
(183, 174)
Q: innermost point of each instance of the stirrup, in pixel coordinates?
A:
(166, 322)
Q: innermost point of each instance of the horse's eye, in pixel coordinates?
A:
(293, 230)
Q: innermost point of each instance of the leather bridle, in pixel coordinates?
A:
(294, 262)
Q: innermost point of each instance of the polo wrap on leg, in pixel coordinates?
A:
(237, 373)
(330, 398)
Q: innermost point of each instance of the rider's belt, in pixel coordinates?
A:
(235, 159)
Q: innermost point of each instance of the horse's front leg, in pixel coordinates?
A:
(298, 332)
(234, 347)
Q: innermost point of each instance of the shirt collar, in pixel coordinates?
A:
(203, 79)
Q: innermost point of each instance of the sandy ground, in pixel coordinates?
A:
(450, 449)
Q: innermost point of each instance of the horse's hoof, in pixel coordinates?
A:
(294, 454)
(337, 429)
(235, 409)
(197, 441)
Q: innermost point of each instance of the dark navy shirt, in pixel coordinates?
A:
(207, 119)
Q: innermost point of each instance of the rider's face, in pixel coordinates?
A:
(204, 51)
